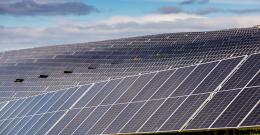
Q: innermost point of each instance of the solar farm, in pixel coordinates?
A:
(165, 83)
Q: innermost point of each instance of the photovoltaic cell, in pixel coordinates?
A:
(119, 90)
(255, 81)
(31, 105)
(90, 94)
(141, 116)
(21, 107)
(75, 122)
(253, 119)
(194, 79)
(48, 124)
(173, 82)
(184, 112)
(57, 95)
(91, 120)
(106, 119)
(213, 109)
(6, 108)
(64, 121)
(243, 75)
(123, 118)
(19, 125)
(43, 101)
(62, 99)
(74, 97)
(153, 85)
(27, 126)
(12, 109)
(10, 126)
(37, 125)
(217, 75)
(135, 88)
(239, 108)
(103, 93)
(4, 124)
(162, 114)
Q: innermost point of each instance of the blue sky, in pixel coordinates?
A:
(33, 23)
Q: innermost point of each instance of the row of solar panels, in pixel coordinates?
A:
(220, 94)
(98, 61)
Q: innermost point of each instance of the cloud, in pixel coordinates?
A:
(206, 11)
(233, 11)
(188, 2)
(169, 10)
(45, 8)
(115, 27)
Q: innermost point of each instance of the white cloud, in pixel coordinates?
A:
(115, 27)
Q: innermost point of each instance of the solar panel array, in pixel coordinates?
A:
(35, 71)
(175, 82)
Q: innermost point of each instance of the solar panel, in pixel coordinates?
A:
(239, 108)
(159, 83)
(77, 121)
(162, 114)
(184, 112)
(253, 117)
(153, 85)
(194, 79)
(244, 74)
(213, 109)
(141, 116)
(123, 118)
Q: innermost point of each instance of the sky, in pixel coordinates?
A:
(35, 23)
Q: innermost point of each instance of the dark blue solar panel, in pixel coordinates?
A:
(184, 112)
(90, 94)
(239, 108)
(48, 124)
(64, 121)
(37, 125)
(75, 122)
(91, 120)
(8, 128)
(135, 88)
(4, 124)
(218, 75)
(74, 97)
(62, 99)
(16, 128)
(119, 90)
(173, 82)
(162, 114)
(6, 108)
(28, 124)
(12, 109)
(255, 81)
(213, 109)
(31, 105)
(50, 102)
(21, 107)
(194, 79)
(106, 119)
(244, 73)
(123, 118)
(103, 93)
(36, 108)
(141, 116)
(153, 85)
(253, 119)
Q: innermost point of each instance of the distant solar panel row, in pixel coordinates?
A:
(204, 96)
